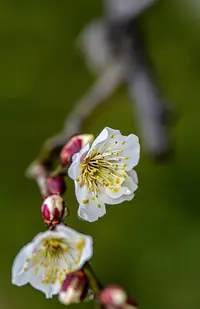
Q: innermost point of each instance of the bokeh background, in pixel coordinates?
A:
(151, 245)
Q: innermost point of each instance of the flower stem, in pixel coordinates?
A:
(59, 171)
(94, 282)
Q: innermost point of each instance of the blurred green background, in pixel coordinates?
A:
(151, 246)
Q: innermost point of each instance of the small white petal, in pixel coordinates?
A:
(102, 140)
(91, 207)
(115, 201)
(92, 212)
(82, 193)
(134, 176)
(113, 141)
(36, 283)
(114, 194)
(125, 193)
(131, 152)
(19, 275)
(129, 186)
(88, 252)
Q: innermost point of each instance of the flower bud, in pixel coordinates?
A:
(73, 146)
(53, 210)
(56, 185)
(38, 172)
(114, 297)
(74, 289)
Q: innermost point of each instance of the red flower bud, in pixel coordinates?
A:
(75, 144)
(75, 288)
(56, 185)
(114, 297)
(53, 210)
(72, 147)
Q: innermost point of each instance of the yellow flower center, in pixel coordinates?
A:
(102, 169)
(55, 247)
(56, 258)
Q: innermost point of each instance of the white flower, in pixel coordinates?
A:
(45, 262)
(103, 174)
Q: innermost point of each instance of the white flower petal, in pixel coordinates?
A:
(75, 168)
(72, 234)
(19, 275)
(92, 212)
(129, 186)
(114, 194)
(101, 138)
(119, 200)
(82, 193)
(90, 206)
(46, 272)
(125, 193)
(36, 282)
(134, 176)
(131, 152)
(101, 142)
(113, 141)
(88, 252)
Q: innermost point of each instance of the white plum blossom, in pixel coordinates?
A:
(103, 173)
(45, 262)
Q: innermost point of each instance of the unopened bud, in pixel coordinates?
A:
(56, 185)
(38, 172)
(75, 144)
(114, 297)
(53, 210)
(72, 147)
(75, 288)
(35, 170)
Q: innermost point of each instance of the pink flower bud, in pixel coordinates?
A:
(53, 210)
(73, 146)
(114, 297)
(74, 289)
(56, 185)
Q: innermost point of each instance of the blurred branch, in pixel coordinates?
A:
(104, 87)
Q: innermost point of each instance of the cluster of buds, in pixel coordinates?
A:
(81, 284)
(115, 297)
(75, 288)
(53, 208)
(56, 185)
